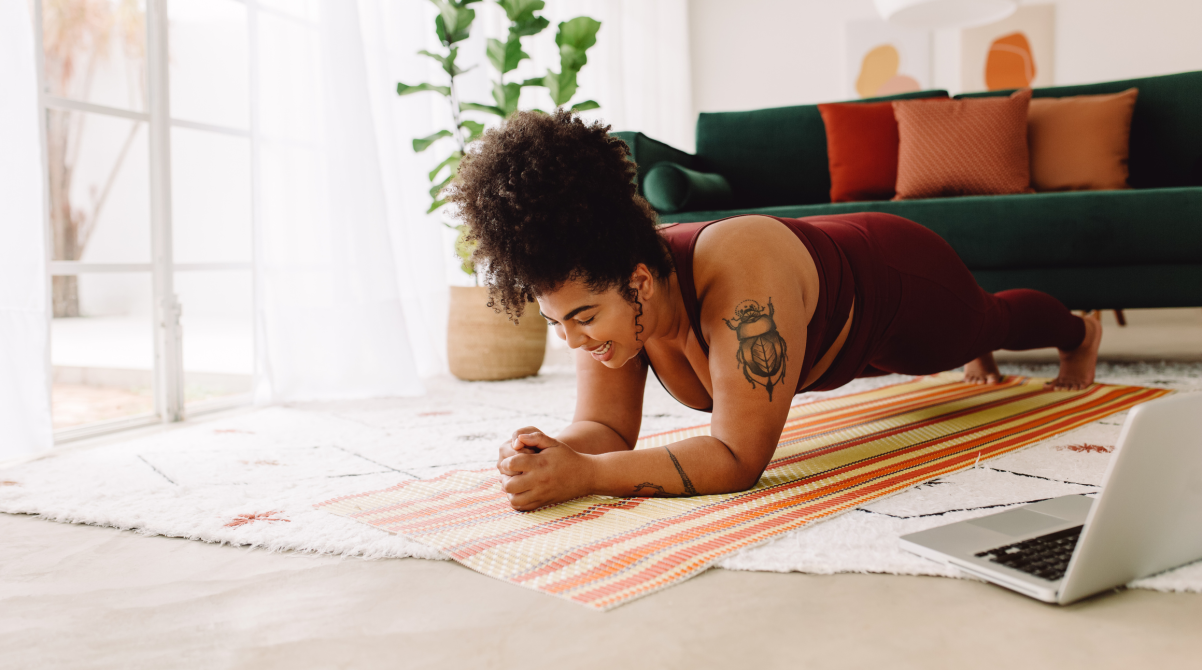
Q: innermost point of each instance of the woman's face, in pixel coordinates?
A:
(600, 323)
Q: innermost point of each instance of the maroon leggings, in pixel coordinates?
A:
(918, 310)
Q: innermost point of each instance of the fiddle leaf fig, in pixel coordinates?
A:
(475, 107)
(474, 128)
(453, 25)
(406, 89)
(451, 161)
(506, 96)
(454, 22)
(448, 61)
(561, 86)
(422, 143)
(464, 248)
(574, 38)
(505, 56)
(586, 105)
(521, 10)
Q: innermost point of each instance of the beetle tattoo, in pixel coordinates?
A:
(762, 351)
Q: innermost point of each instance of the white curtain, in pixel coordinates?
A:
(341, 311)
(25, 426)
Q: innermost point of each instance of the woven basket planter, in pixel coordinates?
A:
(485, 346)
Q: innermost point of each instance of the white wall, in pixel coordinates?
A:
(768, 53)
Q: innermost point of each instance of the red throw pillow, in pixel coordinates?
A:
(972, 146)
(861, 145)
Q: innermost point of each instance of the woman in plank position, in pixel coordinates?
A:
(733, 316)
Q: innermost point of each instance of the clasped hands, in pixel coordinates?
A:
(538, 470)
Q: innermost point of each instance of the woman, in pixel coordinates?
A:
(733, 316)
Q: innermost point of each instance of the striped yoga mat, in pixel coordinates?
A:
(833, 455)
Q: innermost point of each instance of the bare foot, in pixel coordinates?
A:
(982, 371)
(1077, 366)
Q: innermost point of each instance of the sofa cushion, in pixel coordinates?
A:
(1041, 230)
(1166, 137)
(861, 143)
(1080, 143)
(772, 156)
(671, 188)
(962, 147)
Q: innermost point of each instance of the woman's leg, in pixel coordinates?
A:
(945, 320)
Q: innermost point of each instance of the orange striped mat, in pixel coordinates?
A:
(834, 455)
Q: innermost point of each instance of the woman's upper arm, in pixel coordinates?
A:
(755, 282)
(611, 397)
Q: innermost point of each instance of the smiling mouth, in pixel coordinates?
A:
(603, 349)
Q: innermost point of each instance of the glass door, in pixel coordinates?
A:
(148, 151)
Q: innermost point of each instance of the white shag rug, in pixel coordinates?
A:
(251, 479)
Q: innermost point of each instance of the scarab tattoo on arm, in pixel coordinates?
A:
(762, 351)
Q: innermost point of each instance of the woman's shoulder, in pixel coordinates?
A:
(745, 239)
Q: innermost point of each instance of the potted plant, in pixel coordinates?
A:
(482, 343)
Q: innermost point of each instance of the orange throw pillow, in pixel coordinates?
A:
(972, 146)
(1080, 143)
(861, 145)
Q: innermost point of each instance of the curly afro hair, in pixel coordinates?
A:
(549, 198)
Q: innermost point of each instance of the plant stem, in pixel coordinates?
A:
(455, 115)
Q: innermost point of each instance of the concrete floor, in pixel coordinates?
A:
(78, 596)
(91, 597)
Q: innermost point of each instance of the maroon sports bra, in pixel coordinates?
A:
(836, 288)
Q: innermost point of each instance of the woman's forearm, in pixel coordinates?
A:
(591, 437)
(696, 466)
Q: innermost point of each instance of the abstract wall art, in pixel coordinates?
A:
(1015, 52)
(882, 59)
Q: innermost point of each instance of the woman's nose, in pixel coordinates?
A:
(574, 337)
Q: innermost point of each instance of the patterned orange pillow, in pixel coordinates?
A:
(973, 146)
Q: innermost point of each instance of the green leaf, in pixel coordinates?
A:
(537, 81)
(521, 10)
(529, 27)
(406, 89)
(423, 143)
(454, 21)
(586, 105)
(475, 107)
(464, 248)
(475, 129)
(452, 161)
(448, 61)
(437, 188)
(435, 205)
(574, 38)
(506, 97)
(505, 56)
(562, 86)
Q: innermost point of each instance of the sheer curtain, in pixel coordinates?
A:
(340, 306)
(25, 425)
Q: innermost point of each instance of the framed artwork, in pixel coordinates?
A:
(882, 59)
(1015, 52)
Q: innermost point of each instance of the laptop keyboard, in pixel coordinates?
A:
(1045, 556)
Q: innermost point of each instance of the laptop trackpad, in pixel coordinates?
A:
(1017, 522)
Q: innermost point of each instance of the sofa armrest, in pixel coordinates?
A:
(647, 152)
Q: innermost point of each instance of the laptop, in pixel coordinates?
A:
(1147, 518)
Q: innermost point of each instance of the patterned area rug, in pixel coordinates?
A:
(834, 455)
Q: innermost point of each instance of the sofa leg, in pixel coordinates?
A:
(1118, 315)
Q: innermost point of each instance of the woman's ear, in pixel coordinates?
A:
(642, 281)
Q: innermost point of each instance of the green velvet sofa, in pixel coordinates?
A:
(1093, 250)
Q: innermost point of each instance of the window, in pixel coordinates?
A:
(151, 154)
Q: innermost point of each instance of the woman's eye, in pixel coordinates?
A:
(585, 323)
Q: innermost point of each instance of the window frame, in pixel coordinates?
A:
(167, 372)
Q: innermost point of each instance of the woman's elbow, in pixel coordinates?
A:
(747, 477)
